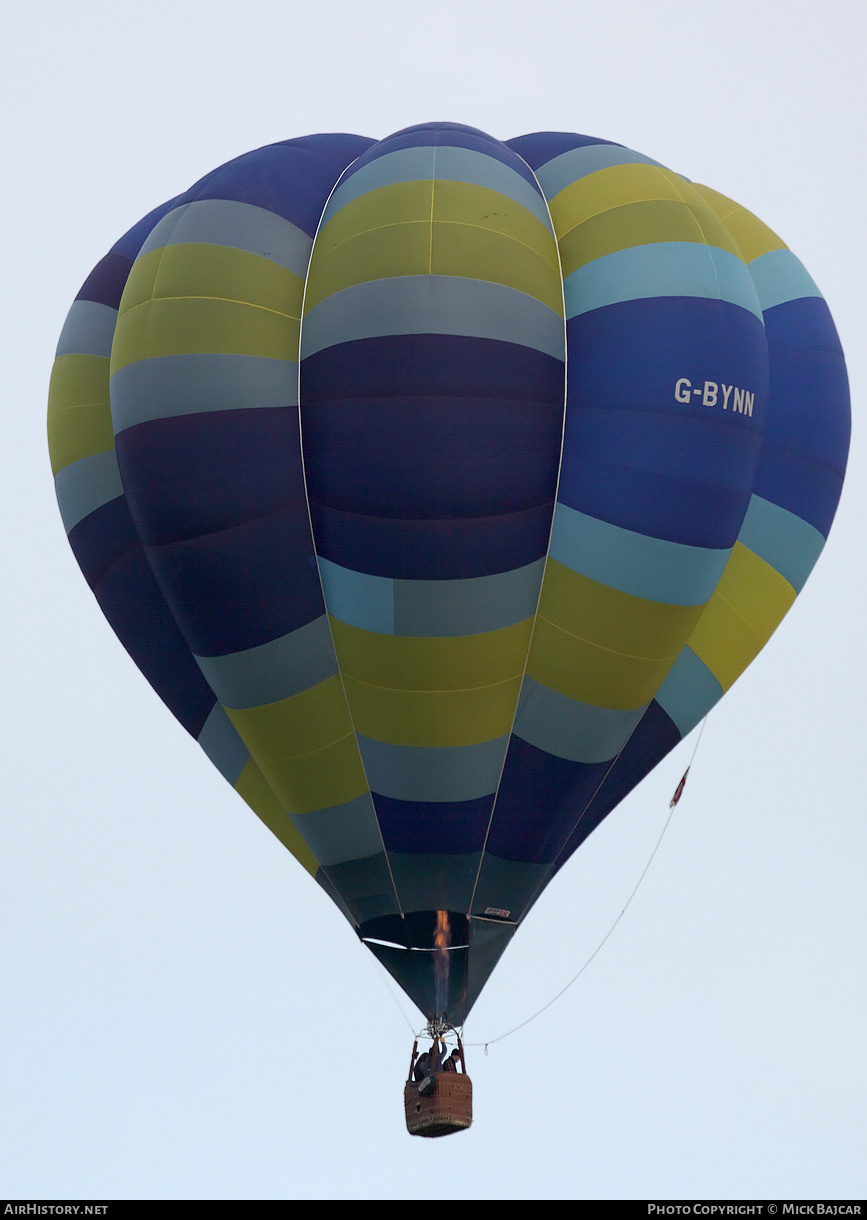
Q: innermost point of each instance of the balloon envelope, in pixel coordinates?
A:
(439, 486)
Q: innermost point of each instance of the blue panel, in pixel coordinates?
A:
(197, 474)
(780, 277)
(242, 586)
(88, 330)
(653, 568)
(801, 325)
(540, 147)
(569, 729)
(433, 774)
(661, 269)
(783, 540)
(343, 832)
(273, 671)
(221, 743)
(86, 485)
(432, 305)
(293, 180)
(432, 550)
(636, 457)
(806, 442)
(568, 167)
(436, 827)
(222, 222)
(165, 387)
(357, 598)
(689, 692)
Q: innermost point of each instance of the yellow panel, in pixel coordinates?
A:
(481, 208)
(433, 718)
(255, 790)
(641, 224)
(294, 726)
(749, 603)
(482, 255)
(445, 249)
(439, 663)
(612, 187)
(139, 286)
(397, 204)
(616, 621)
(198, 270)
(374, 255)
(202, 325)
(79, 415)
(321, 779)
(592, 675)
(752, 235)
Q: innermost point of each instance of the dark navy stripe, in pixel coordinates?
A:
(107, 280)
(432, 457)
(539, 800)
(432, 550)
(433, 827)
(242, 586)
(198, 474)
(430, 366)
(542, 146)
(132, 603)
(292, 180)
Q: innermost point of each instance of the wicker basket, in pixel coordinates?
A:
(447, 1109)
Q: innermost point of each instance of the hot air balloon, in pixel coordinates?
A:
(440, 486)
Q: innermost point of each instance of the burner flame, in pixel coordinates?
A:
(442, 940)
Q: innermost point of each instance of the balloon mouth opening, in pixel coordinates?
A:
(439, 932)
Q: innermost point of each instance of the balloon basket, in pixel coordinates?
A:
(444, 1110)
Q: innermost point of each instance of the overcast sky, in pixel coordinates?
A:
(184, 1013)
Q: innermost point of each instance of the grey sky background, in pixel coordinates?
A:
(184, 1013)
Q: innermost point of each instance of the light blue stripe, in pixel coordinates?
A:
(779, 277)
(86, 485)
(164, 387)
(433, 305)
(444, 163)
(661, 269)
(689, 691)
(431, 607)
(343, 832)
(357, 598)
(224, 222)
(435, 773)
(788, 543)
(568, 729)
(467, 607)
(558, 173)
(273, 671)
(88, 330)
(220, 740)
(661, 571)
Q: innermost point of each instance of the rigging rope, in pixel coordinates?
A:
(500, 1037)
